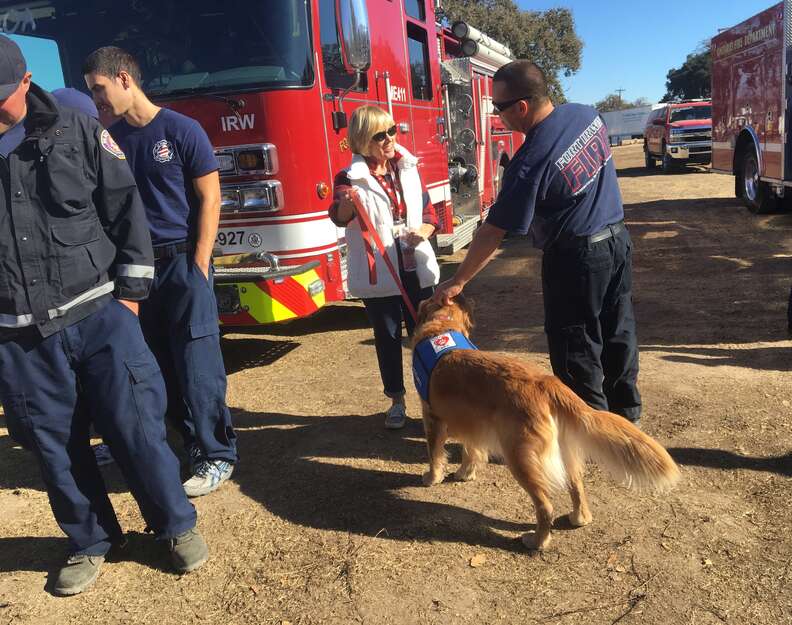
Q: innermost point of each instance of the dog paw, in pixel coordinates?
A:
(532, 541)
(465, 474)
(578, 518)
(430, 478)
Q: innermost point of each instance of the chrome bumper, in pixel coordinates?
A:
(690, 151)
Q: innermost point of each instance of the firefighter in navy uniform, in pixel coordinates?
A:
(75, 260)
(177, 175)
(561, 189)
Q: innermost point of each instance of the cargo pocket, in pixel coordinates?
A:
(18, 422)
(200, 330)
(148, 391)
(571, 353)
(78, 271)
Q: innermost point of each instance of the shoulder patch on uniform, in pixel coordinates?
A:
(109, 144)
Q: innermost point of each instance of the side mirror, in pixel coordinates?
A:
(353, 25)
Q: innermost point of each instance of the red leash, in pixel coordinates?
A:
(370, 234)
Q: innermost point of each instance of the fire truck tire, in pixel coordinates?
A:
(649, 160)
(755, 194)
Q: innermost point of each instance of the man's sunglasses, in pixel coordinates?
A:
(499, 107)
(380, 136)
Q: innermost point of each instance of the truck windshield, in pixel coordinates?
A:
(690, 113)
(183, 46)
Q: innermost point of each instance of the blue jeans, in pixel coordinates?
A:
(104, 360)
(181, 326)
(386, 315)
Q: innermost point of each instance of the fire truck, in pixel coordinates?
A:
(273, 83)
(751, 107)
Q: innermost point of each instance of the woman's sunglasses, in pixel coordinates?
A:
(380, 136)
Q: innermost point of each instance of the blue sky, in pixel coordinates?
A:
(632, 44)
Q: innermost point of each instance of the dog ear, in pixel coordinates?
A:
(466, 306)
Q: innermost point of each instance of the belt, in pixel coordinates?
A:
(169, 250)
(586, 240)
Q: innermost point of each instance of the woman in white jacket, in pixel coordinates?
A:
(385, 177)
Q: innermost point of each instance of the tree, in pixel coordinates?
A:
(547, 38)
(693, 79)
(614, 102)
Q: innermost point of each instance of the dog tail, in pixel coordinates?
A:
(624, 451)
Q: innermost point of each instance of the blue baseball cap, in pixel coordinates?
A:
(12, 67)
(76, 99)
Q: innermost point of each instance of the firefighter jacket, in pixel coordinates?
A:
(73, 229)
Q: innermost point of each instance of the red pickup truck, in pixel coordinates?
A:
(679, 133)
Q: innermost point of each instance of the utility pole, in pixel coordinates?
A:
(620, 91)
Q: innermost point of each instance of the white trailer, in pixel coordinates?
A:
(628, 123)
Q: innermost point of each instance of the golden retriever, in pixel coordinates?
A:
(498, 404)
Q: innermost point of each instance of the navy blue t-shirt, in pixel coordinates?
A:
(165, 156)
(562, 182)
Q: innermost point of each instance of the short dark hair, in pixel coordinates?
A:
(111, 61)
(524, 79)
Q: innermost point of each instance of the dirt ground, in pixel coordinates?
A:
(326, 520)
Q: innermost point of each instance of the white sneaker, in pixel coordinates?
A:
(208, 477)
(395, 417)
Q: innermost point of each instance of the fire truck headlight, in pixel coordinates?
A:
(229, 199)
(265, 196)
(226, 162)
(260, 159)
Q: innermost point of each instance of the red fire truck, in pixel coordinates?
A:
(273, 83)
(750, 106)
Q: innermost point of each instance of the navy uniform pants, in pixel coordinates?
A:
(181, 326)
(590, 323)
(104, 361)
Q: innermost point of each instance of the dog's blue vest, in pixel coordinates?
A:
(427, 354)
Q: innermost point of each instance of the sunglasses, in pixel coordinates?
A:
(380, 136)
(499, 107)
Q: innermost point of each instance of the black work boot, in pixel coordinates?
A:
(78, 574)
(188, 551)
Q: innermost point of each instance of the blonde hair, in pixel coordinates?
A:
(365, 122)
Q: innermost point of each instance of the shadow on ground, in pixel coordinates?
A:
(758, 358)
(322, 485)
(722, 459)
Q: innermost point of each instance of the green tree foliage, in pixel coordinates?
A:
(547, 38)
(693, 79)
(613, 102)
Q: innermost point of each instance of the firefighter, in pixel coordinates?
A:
(177, 174)
(75, 260)
(561, 189)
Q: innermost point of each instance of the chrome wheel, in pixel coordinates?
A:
(751, 179)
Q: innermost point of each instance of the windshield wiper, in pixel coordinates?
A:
(196, 92)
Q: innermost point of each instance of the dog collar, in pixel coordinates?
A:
(428, 352)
